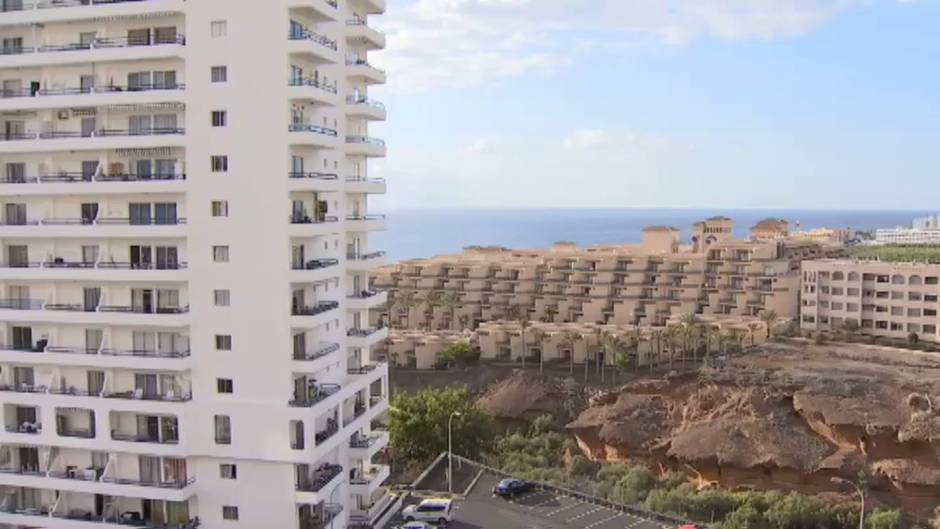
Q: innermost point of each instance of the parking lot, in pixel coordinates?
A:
(539, 509)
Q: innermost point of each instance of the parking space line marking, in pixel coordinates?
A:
(582, 515)
(636, 522)
(556, 511)
(605, 520)
(546, 501)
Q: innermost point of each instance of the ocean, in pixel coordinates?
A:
(428, 232)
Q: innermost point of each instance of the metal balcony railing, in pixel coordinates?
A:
(319, 478)
(324, 350)
(303, 33)
(352, 100)
(179, 484)
(315, 264)
(308, 401)
(314, 174)
(313, 310)
(363, 62)
(143, 438)
(103, 133)
(307, 127)
(98, 43)
(365, 139)
(306, 219)
(313, 82)
(10, 6)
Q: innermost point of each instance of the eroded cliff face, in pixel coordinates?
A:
(791, 417)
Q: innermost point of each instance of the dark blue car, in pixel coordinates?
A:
(509, 487)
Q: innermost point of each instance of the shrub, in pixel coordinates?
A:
(582, 466)
(461, 353)
(635, 485)
(885, 519)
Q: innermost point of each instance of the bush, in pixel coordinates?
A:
(582, 466)
(461, 353)
(745, 517)
(884, 519)
(635, 485)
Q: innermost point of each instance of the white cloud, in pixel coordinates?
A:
(480, 146)
(586, 139)
(445, 43)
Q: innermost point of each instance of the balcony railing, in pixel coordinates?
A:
(21, 304)
(308, 127)
(109, 352)
(84, 178)
(323, 392)
(315, 264)
(28, 428)
(50, 4)
(140, 438)
(329, 512)
(99, 43)
(23, 388)
(313, 310)
(324, 434)
(179, 484)
(365, 139)
(140, 395)
(365, 179)
(320, 478)
(365, 256)
(363, 333)
(365, 217)
(364, 441)
(103, 133)
(136, 309)
(363, 62)
(324, 350)
(302, 33)
(314, 174)
(313, 82)
(352, 100)
(318, 219)
(76, 433)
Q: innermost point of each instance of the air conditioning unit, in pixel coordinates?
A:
(63, 114)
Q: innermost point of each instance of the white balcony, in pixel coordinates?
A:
(62, 228)
(30, 142)
(365, 222)
(104, 358)
(91, 97)
(50, 11)
(365, 483)
(365, 108)
(79, 184)
(366, 300)
(309, 135)
(313, 90)
(43, 311)
(366, 446)
(358, 31)
(110, 486)
(317, 48)
(103, 271)
(366, 337)
(365, 146)
(361, 69)
(314, 314)
(314, 227)
(365, 262)
(314, 181)
(314, 271)
(316, 487)
(374, 7)
(319, 10)
(361, 184)
(99, 51)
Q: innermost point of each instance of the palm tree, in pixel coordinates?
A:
(463, 320)
(431, 299)
(451, 301)
(689, 325)
(569, 338)
(403, 300)
(616, 349)
(550, 312)
(752, 331)
(669, 335)
(769, 318)
(520, 313)
(537, 337)
(656, 337)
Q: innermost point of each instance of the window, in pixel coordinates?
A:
(223, 342)
(228, 471)
(219, 118)
(220, 208)
(229, 512)
(222, 298)
(219, 74)
(219, 28)
(224, 385)
(220, 254)
(223, 429)
(219, 164)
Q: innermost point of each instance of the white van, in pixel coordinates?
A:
(435, 510)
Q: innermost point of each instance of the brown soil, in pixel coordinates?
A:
(791, 417)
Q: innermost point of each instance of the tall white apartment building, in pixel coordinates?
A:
(185, 238)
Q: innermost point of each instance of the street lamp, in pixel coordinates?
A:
(450, 452)
(861, 495)
(330, 501)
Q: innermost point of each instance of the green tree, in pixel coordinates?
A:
(770, 319)
(460, 353)
(418, 425)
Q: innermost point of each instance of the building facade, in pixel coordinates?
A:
(892, 300)
(908, 236)
(642, 284)
(185, 247)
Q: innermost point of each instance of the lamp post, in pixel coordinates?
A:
(330, 501)
(450, 452)
(861, 495)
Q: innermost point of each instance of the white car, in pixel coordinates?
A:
(435, 510)
(416, 525)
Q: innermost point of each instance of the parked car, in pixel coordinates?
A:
(437, 510)
(509, 487)
(415, 525)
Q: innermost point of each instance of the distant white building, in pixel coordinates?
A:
(908, 236)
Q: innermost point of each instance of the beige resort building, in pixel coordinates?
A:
(634, 284)
(880, 298)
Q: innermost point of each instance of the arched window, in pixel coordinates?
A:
(915, 280)
(897, 279)
(853, 276)
(838, 276)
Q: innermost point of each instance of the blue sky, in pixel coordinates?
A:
(662, 103)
